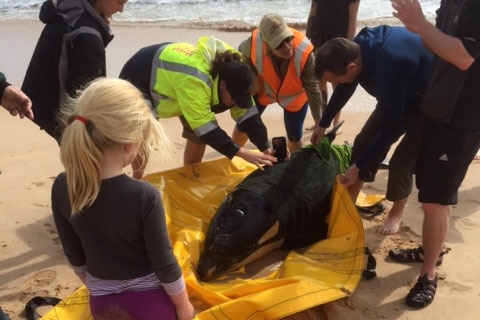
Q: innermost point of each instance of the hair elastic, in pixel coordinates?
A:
(81, 119)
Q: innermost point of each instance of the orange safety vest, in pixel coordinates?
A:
(287, 92)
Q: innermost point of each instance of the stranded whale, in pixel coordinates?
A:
(281, 207)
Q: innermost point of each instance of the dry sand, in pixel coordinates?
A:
(31, 258)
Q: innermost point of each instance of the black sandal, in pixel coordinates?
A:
(422, 294)
(412, 255)
(371, 212)
(370, 271)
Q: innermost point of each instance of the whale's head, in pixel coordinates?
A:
(243, 229)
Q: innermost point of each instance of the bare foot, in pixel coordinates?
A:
(390, 226)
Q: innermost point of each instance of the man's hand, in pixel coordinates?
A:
(17, 102)
(259, 159)
(350, 176)
(410, 13)
(317, 135)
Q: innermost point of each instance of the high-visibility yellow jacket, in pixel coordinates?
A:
(181, 85)
(288, 91)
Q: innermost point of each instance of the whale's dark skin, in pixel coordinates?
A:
(281, 207)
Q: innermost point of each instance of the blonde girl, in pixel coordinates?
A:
(112, 227)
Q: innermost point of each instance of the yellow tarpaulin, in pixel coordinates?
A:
(328, 270)
(368, 200)
(73, 307)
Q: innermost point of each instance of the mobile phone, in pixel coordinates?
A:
(279, 145)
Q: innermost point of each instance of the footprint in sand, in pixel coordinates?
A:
(456, 287)
(37, 283)
(38, 183)
(51, 230)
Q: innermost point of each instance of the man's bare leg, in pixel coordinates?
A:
(193, 153)
(394, 218)
(434, 231)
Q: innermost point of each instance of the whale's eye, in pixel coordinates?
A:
(240, 212)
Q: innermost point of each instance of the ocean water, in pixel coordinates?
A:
(221, 14)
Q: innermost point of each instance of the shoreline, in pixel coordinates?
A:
(226, 26)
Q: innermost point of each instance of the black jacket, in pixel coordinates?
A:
(83, 57)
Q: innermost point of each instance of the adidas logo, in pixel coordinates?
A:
(443, 157)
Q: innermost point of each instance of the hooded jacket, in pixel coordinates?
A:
(69, 53)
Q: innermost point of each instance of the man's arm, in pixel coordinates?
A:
(352, 18)
(340, 96)
(256, 131)
(449, 48)
(342, 93)
(310, 84)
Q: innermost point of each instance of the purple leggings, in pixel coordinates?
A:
(133, 305)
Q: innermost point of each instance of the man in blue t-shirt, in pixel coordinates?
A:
(394, 66)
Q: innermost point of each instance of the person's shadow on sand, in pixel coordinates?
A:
(468, 204)
(44, 252)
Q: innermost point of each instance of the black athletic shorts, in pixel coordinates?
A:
(445, 155)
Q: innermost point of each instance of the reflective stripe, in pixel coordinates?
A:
(297, 58)
(206, 128)
(239, 115)
(270, 93)
(173, 67)
(191, 71)
(286, 100)
(258, 53)
(153, 77)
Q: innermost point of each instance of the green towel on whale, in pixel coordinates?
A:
(299, 190)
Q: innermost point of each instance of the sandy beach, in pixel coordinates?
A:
(31, 257)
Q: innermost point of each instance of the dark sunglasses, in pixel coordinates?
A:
(287, 40)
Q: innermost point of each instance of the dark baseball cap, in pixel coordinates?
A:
(239, 78)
